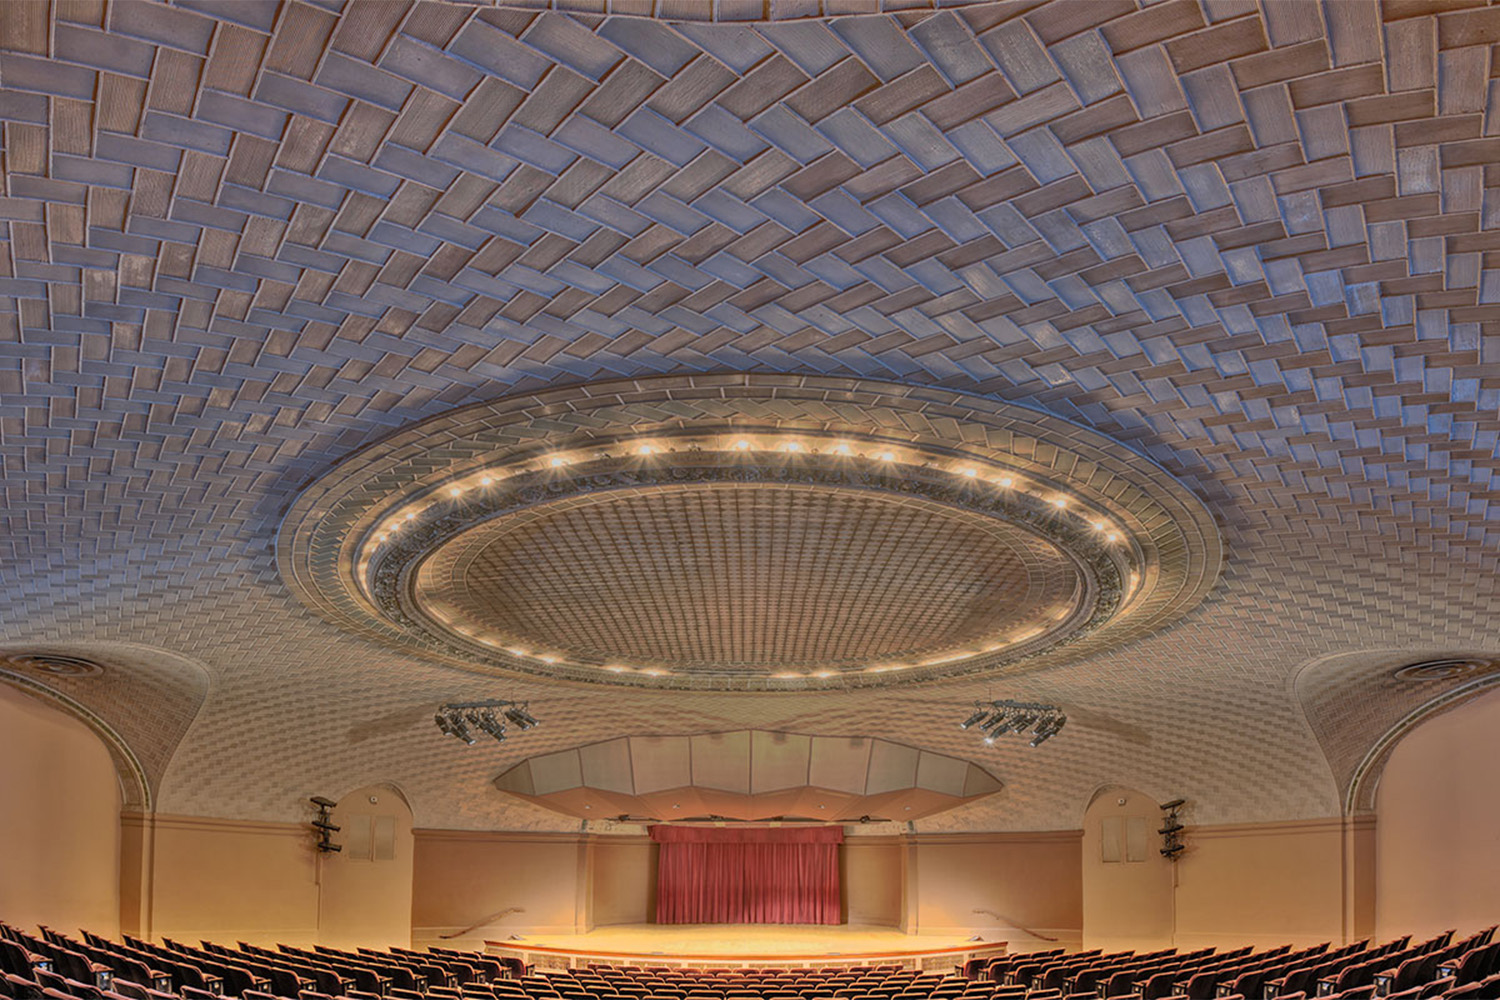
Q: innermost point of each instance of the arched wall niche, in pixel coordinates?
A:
(1362, 797)
(1127, 886)
(60, 796)
(1437, 830)
(1360, 703)
(366, 888)
(134, 790)
(141, 700)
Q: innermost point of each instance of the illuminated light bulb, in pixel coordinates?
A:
(825, 674)
(1005, 482)
(646, 449)
(547, 659)
(616, 669)
(411, 515)
(557, 461)
(516, 652)
(1113, 536)
(791, 446)
(786, 677)
(455, 491)
(1098, 525)
(887, 456)
(1060, 502)
(742, 445)
(968, 471)
(842, 449)
(486, 480)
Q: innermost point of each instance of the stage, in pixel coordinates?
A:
(745, 946)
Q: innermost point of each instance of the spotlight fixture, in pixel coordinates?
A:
(973, 720)
(461, 719)
(997, 718)
(521, 717)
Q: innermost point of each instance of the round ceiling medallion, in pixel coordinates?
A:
(748, 533)
(56, 664)
(1446, 668)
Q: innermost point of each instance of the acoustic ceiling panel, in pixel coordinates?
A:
(867, 778)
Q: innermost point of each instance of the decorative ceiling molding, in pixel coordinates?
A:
(384, 543)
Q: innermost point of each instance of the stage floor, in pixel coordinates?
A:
(744, 945)
(742, 939)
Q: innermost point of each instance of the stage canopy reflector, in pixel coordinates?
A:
(748, 774)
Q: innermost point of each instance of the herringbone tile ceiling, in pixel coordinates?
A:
(1256, 242)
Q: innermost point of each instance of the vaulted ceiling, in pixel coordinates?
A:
(1253, 246)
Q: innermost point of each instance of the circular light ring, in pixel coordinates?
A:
(1101, 566)
(1173, 539)
(872, 463)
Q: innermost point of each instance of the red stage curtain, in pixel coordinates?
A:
(711, 875)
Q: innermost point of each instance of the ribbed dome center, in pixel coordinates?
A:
(748, 576)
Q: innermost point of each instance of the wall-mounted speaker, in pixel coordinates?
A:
(1171, 830)
(323, 825)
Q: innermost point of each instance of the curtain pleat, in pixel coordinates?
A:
(754, 876)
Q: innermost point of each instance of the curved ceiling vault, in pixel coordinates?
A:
(1216, 275)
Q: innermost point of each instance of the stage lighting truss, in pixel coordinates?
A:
(1030, 721)
(465, 719)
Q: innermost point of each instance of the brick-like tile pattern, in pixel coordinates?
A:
(1255, 243)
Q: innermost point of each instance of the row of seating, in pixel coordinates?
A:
(879, 983)
(1349, 973)
(53, 966)
(96, 968)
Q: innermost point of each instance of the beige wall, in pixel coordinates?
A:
(59, 820)
(1126, 904)
(1437, 839)
(233, 880)
(871, 880)
(462, 878)
(623, 880)
(367, 891)
(1262, 884)
(1031, 881)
